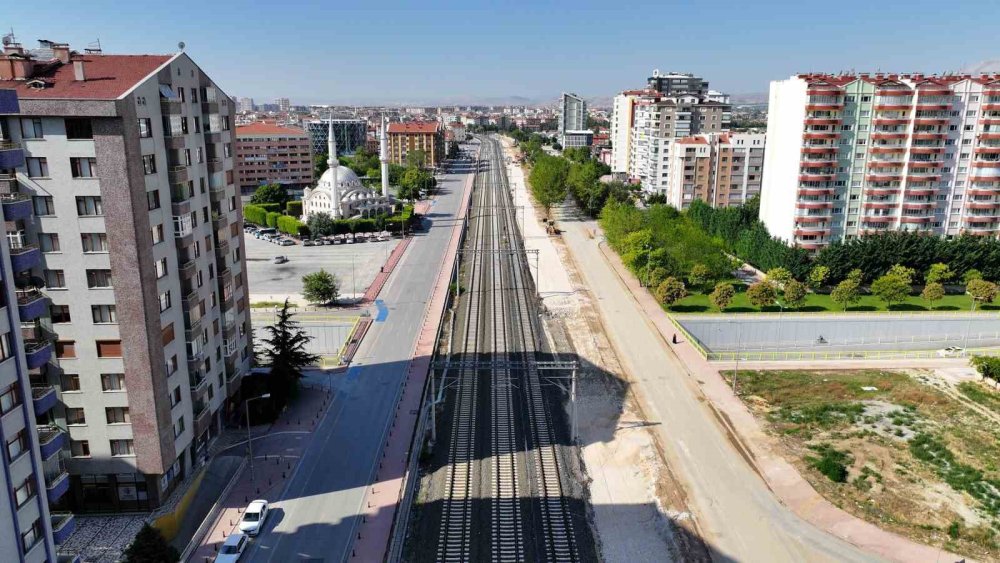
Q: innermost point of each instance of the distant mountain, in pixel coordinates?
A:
(751, 98)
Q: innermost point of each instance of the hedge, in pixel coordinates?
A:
(291, 225)
(272, 219)
(270, 207)
(254, 214)
(293, 208)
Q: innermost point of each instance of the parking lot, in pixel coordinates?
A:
(354, 265)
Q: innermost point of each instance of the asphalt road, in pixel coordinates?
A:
(740, 518)
(319, 511)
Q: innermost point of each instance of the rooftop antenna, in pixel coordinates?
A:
(181, 45)
(9, 38)
(94, 48)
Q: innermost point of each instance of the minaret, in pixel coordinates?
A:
(383, 153)
(333, 164)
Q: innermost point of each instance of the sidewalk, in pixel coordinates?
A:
(276, 450)
(790, 488)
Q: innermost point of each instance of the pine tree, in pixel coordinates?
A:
(149, 546)
(287, 355)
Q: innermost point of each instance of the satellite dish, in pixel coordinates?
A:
(181, 45)
(6, 40)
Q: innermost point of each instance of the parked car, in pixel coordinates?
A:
(279, 259)
(309, 242)
(254, 517)
(232, 549)
(951, 352)
(286, 242)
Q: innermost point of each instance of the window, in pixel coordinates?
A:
(31, 128)
(83, 167)
(179, 427)
(65, 348)
(79, 128)
(109, 348)
(59, 313)
(89, 206)
(171, 365)
(164, 301)
(17, 445)
(180, 90)
(44, 205)
(175, 397)
(167, 334)
(145, 128)
(227, 150)
(201, 154)
(225, 123)
(54, 279)
(79, 448)
(69, 382)
(38, 167)
(31, 536)
(9, 398)
(98, 278)
(104, 314)
(149, 164)
(48, 242)
(157, 233)
(197, 124)
(160, 267)
(187, 156)
(94, 242)
(117, 415)
(75, 416)
(194, 95)
(153, 200)
(122, 448)
(24, 493)
(112, 382)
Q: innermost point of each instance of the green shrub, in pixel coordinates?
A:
(830, 462)
(254, 214)
(272, 219)
(289, 225)
(293, 208)
(270, 207)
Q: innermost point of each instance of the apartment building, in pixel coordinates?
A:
(721, 169)
(245, 105)
(351, 134)
(135, 239)
(267, 153)
(283, 104)
(427, 136)
(573, 130)
(33, 472)
(676, 83)
(856, 154)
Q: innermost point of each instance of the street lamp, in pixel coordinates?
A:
(249, 439)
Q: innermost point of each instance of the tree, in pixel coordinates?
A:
(856, 275)
(933, 291)
(548, 180)
(149, 546)
(320, 287)
(818, 276)
(779, 276)
(893, 287)
(319, 165)
(938, 273)
(699, 276)
(846, 293)
(981, 292)
(761, 294)
(321, 224)
(416, 158)
(286, 353)
(670, 291)
(270, 193)
(795, 294)
(722, 295)
(414, 183)
(902, 272)
(988, 367)
(971, 275)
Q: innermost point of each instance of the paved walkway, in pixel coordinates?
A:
(385, 271)
(780, 476)
(383, 497)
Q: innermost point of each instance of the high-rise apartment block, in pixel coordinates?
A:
(426, 136)
(245, 105)
(350, 133)
(283, 105)
(573, 130)
(33, 473)
(646, 124)
(267, 153)
(134, 241)
(721, 169)
(851, 155)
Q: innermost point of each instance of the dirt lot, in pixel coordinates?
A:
(917, 453)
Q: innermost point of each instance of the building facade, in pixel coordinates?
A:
(283, 104)
(350, 135)
(676, 83)
(138, 234)
(427, 136)
(245, 105)
(573, 121)
(33, 473)
(267, 153)
(721, 169)
(852, 155)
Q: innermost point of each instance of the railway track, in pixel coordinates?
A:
(513, 464)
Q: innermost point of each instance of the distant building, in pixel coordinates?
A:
(283, 105)
(572, 130)
(456, 131)
(427, 136)
(721, 169)
(245, 105)
(267, 153)
(676, 83)
(349, 133)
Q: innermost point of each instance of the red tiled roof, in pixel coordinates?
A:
(108, 77)
(263, 128)
(415, 127)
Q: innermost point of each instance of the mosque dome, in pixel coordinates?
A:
(346, 178)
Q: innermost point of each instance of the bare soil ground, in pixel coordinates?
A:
(906, 450)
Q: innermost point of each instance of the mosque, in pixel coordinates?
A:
(340, 193)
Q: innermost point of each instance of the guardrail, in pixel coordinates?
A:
(763, 356)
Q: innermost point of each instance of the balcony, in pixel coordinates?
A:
(888, 136)
(824, 91)
(213, 136)
(987, 150)
(217, 194)
(816, 177)
(879, 204)
(175, 141)
(821, 218)
(921, 191)
(803, 190)
(186, 267)
(56, 484)
(24, 257)
(926, 150)
(806, 231)
(37, 353)
(831, 135)
(918, 204)
(43, 398)
(814, 204)
(989, 136)
(983, 121)
(215, 165)
(219, 220)
(202, 419)
(894, 92)
(230, 347)
(63, 525)
(914, 176)
(891, 107)
(930, 121)
(819, 150)
(887, 121)
(887, 150)
(973, 204)
(171, 106)
(823, 121)
(31, 303)
(916, 163)
(197, 381)
(824, 106)
(51, 439)
(210, 107)
(177, 175)
(883, 190)
(916, 218)
(16, 206)
(11, 154)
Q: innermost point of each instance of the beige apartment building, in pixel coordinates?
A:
(427, 136)
(267, 153)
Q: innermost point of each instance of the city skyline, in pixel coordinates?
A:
(469, 53)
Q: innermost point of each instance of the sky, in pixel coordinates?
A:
(386, 52)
